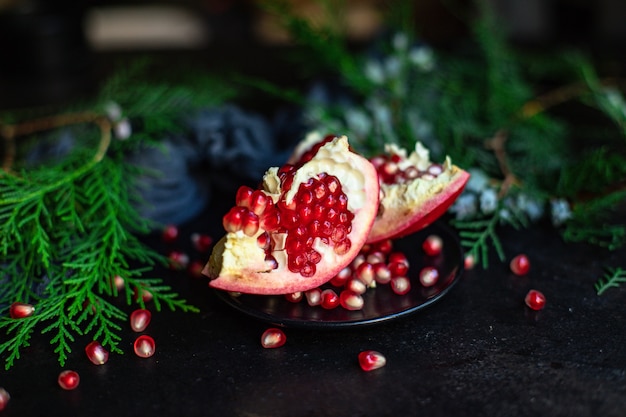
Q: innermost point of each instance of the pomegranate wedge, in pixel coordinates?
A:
(306, 223)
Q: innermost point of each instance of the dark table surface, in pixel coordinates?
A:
(478, 351)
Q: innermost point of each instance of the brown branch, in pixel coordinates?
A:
(496, 144)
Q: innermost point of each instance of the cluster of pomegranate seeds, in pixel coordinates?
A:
(4, 398)
(68, 380)
(535, 300)
(391, 171)
(318, 211)
(520, 265)
(96, 354)
(371, 359)
(273, 338)
(19, 310)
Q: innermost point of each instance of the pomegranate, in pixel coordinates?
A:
(414, 191)
(306, 223)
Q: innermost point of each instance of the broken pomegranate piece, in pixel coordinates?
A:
(306, 223)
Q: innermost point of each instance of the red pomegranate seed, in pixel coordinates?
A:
(294, 297)
(382, 273)
(195, 269)
(371, 359)
(140, 319)
(97, 354)
(118, 282)
(21, 310)
(385, 246)
(520, 265)
(68, 380)
(398, 269)
(4, 398)
(170, 233)
(330, 299)
(356, 285)
(273, 338)
(432, 245)
(350, 300)
(201, 242)
(365, 273)
(144, 346)
(469, 262)
(342, 277)
(398, 257)
(178, 260)
(313, 297)
(429, 276)
(400, 285)
(535, 300)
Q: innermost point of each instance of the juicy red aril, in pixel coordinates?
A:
(365, 273)
(350, 300)
(140, 319)
(469, 262)
(400, 285)
(520, 265)
(170, 233)
(398, 257)
(382, 274)
(97, 354)
(273, 338)
(389, 172)
(195, 268)
(142, 294)
(21, 310)
(429, 276)
(432, 245)
(313, 297)
(68, 380)
(178, 260)
(4, 398)
(329, 299)
(398, 268)
(201, 242)
(294, 297)
(371, 359)
(144, 346)
(535, 300)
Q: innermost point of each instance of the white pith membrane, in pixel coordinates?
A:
(412, 204)
(239, 264)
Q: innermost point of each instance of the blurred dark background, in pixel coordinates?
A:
(53, 50)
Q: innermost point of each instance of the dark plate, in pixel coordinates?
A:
(380, 303)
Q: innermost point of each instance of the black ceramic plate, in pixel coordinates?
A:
(380, 303)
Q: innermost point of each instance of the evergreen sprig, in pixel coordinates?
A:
(612, 278)
(69, 226)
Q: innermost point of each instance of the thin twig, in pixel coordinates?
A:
(496, 144)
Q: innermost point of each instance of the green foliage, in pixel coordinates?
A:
(69, 226)
(612, 278)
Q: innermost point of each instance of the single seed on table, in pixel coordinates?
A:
(4, 398)
(97, 354)
(273, 338)
(535, 300)
(469, 262)
(520, 265)
(400, 285)
(140, 319)
(144, 346)
(429, 276)
(370, 360)
(201, 242)
(170, 233)
(68, 380)
(294, 297)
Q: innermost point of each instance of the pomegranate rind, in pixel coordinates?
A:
(411, 206)
(237, 263)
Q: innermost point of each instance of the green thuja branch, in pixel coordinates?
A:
(478, 236)
(613, 278)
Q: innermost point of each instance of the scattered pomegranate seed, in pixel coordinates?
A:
(294, 297)
(432, 245)
(350, 300)
(371, 359)
(273, 338)
(68, 380)
(469, 262)
(170, 233)
(178, 260)
(97, 354)
(520, 265)
(4, 398)
(142, 294)
(201, 242)
(139, 319)
(330, 299)
(313, 297)
(144, 346)
(400, 285)
(535, 300)
(118, 282)
(398, 268)
(429, 276)
(195, 269)
(21, 310)
(356, 285)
